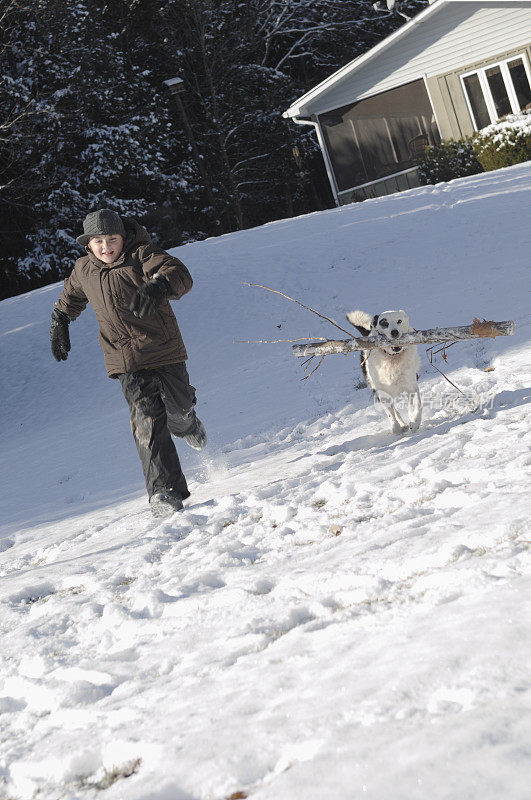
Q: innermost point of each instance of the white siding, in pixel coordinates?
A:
(459, 33)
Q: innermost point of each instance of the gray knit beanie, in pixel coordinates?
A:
(101, 223)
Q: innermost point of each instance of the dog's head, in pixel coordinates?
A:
(391, 324)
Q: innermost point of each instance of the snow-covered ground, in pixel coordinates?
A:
(338, 612)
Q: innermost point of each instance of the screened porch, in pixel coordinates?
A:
(375, 144)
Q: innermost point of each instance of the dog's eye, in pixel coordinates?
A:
(383, 323)
(399, 322)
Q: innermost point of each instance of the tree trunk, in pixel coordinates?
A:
(287, 197)
(235, 195)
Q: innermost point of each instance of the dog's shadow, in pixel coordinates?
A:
(501, 402)
(507, 399)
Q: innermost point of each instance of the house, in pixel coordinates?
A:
(454, 68)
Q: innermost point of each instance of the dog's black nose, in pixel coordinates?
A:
(395, 333)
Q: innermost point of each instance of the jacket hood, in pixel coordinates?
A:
(135, 234)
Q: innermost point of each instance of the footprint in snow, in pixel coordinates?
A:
(263, 586)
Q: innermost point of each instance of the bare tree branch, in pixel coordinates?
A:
(275, 291)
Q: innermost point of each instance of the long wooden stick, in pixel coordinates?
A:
(478, 330)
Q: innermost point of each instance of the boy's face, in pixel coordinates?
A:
(107, 248)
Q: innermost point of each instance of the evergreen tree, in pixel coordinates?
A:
(89, 128)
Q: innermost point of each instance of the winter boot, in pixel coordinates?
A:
(165, 503)
(197, 437)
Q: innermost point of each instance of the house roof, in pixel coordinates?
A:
(300, 106)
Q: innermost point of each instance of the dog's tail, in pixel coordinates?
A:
(361, 320)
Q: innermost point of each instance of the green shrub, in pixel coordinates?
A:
(504, 143)
(448, 160)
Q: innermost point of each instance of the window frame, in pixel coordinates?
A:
(503, 64)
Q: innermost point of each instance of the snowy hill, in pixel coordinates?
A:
(338, 612)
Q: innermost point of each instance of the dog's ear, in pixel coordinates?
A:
(363, 331)
(374, 322)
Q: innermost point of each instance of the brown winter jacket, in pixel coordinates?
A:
(129, 343)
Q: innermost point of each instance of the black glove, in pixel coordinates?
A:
(59, 335)
(149, 296)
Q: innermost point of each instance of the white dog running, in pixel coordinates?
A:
(391, 371)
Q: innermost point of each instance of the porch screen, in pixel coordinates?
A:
(380, 135)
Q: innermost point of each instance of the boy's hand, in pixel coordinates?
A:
(59, 336)
(149, 296)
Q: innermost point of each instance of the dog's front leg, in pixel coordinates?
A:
(415, 410)
(397, 423)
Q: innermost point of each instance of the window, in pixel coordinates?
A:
(380, 135)
(476, 100)
(497, 90)
(520, 80)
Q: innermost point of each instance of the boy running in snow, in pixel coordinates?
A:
(128, 282)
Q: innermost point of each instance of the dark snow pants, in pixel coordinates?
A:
(161, 402)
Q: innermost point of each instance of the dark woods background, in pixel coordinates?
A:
(86, 120)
